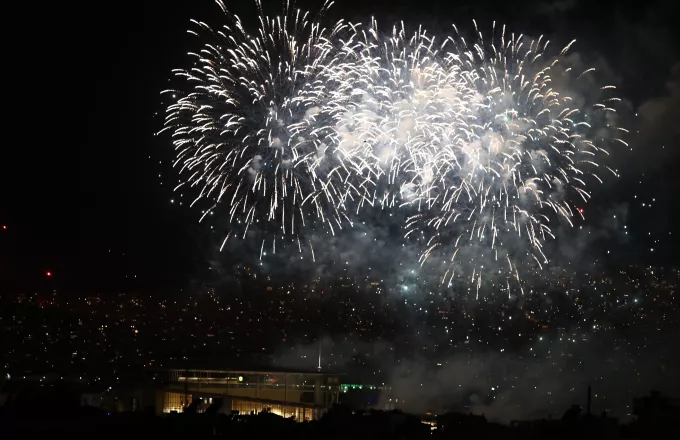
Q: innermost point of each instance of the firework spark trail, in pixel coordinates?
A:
(480, 143)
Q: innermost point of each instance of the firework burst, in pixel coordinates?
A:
(252, 127)
(402, 101)
(481, 145)
(522, 160)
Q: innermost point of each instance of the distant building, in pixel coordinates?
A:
(292, 394)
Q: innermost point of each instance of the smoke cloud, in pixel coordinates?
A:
(542, 379)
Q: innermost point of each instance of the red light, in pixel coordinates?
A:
(580, 210)
(49, 274)
(4, 227)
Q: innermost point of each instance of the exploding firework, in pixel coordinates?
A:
(481, 146)
(404, 101)
(252, 126)
(523, 159)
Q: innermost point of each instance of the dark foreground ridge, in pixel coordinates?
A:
(57, 413)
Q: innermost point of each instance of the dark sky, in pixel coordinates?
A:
(81, 194)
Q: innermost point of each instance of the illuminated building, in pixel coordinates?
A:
(301, 395)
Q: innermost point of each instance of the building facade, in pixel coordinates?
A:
(291, 394)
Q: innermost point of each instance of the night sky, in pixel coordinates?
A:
(81, 180)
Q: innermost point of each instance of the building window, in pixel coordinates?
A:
(245, 407)
(176, 402)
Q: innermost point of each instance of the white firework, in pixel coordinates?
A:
(481, 145)
(252, 127)
(523, 160)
